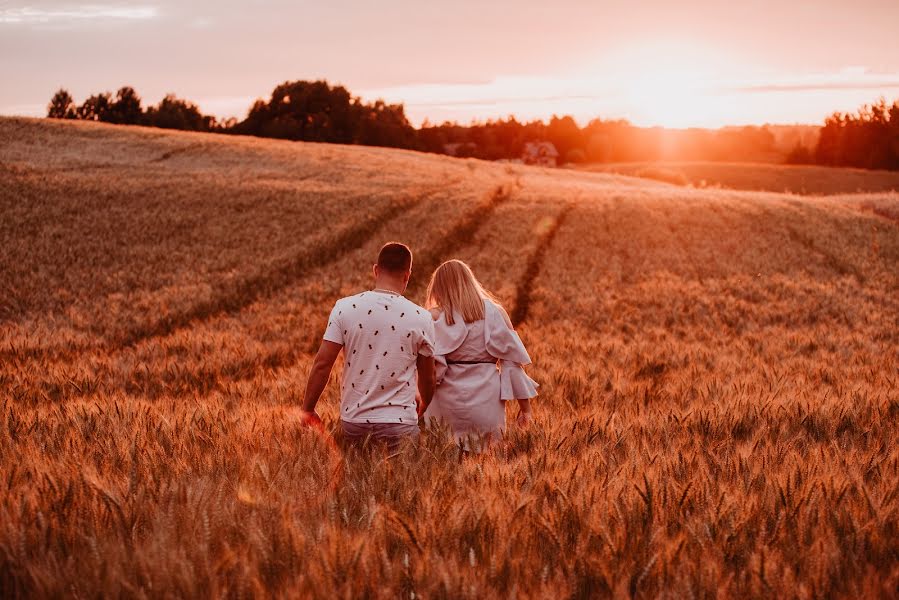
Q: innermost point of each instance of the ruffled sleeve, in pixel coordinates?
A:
(515, 383)
(503, 343)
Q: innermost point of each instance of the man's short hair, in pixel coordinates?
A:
(395, 257)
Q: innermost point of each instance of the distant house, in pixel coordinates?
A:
(543, 154)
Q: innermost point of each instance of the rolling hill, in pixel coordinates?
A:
(788, 179)
(719, 401)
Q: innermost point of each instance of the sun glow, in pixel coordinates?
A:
(666, 83)
(672, 83)
(669, 98)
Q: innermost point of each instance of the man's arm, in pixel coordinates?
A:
(426, 381)
(318, 378)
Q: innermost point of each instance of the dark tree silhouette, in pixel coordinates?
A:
(62, 106)
(95, 108)
(126, 109)
(868, 139)
(565, 135)
(319, 112)
(174, 113)
(382, 124)
(303, 110)
(492, 140)
(314, 111)
(800, 155)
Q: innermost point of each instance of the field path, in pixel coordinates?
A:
(231, 297)
(525, 286)
(458, 236)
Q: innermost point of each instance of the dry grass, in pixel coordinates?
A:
(719, 414)
(790, 179)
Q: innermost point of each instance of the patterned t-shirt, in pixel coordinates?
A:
(382, 336)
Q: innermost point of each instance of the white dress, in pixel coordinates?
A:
(479, 367)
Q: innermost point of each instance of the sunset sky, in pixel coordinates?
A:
(687, 63)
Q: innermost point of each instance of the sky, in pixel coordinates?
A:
(676, 64)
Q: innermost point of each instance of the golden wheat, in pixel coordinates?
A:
(788, 179)
(718, 412)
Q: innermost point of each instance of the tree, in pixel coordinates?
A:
(126, 109)
(95, 108)
(868, 139)
(62, 106)
(315, 111)
(174, 113)
(304, 110)
(827, 152)
(575, 156)
(382, 124)
(564, 134)
(800, 155)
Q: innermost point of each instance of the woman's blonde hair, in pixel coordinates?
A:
(453, 287)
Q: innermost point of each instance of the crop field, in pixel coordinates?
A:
(718, 413)
(791, 179)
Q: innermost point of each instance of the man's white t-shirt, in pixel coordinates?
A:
(382, 336)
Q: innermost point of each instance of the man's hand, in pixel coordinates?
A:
(426, 383)
(310, 419)
(420, 406)
(318, 379)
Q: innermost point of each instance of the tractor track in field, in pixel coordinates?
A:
(230, 298)
(176, 151)
(457, 236)
(461, 234)
(881, 214)
(830, 260)
(254, 288)
(535, 266)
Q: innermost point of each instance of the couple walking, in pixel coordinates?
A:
(460, 354)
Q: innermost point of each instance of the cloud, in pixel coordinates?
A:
(76, 13)
(528, 89)
(852, 78)
(649, 96)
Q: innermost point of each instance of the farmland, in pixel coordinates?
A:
(719, 408)
(789, 179)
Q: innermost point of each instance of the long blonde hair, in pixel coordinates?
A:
(453, 287)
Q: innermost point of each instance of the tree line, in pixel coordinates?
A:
(602, 141)
(868, 139)
(125, 108)
(319, 112)
(311, 111)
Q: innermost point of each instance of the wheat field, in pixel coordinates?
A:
(719, 410)
(766, 177)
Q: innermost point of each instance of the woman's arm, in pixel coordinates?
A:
(525, 416)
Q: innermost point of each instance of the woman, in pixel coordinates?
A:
(479, 357)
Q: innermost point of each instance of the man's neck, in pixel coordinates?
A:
(389, 285)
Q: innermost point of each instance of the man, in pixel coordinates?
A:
(388, 344)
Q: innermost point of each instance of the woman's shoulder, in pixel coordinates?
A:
(497, 312)
(435, 313)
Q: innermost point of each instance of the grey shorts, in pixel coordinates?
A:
(392, 433)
